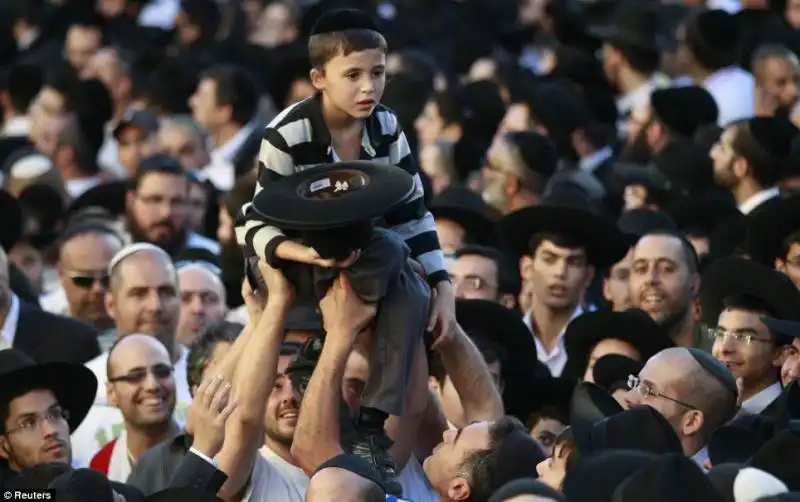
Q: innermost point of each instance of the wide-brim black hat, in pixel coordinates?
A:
(109, 196)
(550, 392)
(467, 209)
(633, 326)
(670, 477)
(640, 428)
(733, 276)
(334, 195)
(611, 371)
(768, 226)
(566, 211)
(633, 23)
(12, 220)
(506, 328)
(780, 456)
(74, 385)
(590, 404)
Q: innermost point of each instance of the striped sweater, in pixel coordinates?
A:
(298, 139)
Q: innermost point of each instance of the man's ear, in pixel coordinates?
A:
(5, 449)
(111, 394)
(318, 78)
(458, 489)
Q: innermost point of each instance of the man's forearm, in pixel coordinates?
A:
(467, 369)
(317, 437)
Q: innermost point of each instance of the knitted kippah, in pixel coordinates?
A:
(343, 19)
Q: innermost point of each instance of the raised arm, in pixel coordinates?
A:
(403, 430)
(253, 380)
(317, 437)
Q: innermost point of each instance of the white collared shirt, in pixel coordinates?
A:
(757, 199)
(557, 359)
(16, 127)
(733, 89)
(9, 330)
(590, 162)
(758, 402)
(227, 152)
(76, 187)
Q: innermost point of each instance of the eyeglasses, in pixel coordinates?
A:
(54, 416)
(722, 335)
(474, 282)
(647, 390)
(136, 377)
(86, 281)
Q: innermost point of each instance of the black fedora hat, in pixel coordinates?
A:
(12, 220)
(467, 209)
(780, 457)
(590, 404)
(635, 23)
(640, 428)
(633, 326)
(768, 226)
(506, 328)
(566, 210)
(334, 195)
(668, 478)
(554, 393)
(740, 439)
(74, 385)
(611, 371)
(594, 479)
(739, 276)
(109, 196)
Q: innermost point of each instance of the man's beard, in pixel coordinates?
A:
(672, 321)
(637, 151)
(172, 244)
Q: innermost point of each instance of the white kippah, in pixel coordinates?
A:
(132, 249)
(752, 484)
(30, 166)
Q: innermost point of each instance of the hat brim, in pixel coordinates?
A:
(12, 220)
(505, 327)
(288, 204)
(768, 227)
(73, 385)
(605, 243)
(612, 33)
(634, 174)
(109, 196)
(478, 228)
(555, 392)
(787, 328)
(590, 328)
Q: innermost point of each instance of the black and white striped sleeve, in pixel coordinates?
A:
(412, 220)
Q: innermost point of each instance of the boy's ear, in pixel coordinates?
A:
(318, 78)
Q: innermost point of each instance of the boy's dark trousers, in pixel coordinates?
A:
(381, 274)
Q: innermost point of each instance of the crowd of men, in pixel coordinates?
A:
(613, 188)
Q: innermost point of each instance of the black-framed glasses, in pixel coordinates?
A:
(137, 376)
(54, 416)
(86, 281)
(721, 335)
(646, 390)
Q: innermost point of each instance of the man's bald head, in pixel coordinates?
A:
(334, 484)
(136, 342)
(131, 258)
(194, 273)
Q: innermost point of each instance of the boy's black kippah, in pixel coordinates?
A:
(343, 19)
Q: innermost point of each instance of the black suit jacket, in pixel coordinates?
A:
(195, 472)
(48, 338)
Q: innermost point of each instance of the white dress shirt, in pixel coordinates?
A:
(9, 330)
(220, 170)
(757, 199)
(758, 402)
(557, 359)
(734, 91)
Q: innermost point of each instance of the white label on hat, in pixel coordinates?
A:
(319, 185)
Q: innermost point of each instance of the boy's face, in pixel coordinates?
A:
(353, 83)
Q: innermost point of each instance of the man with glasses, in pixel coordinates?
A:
(485, 273)
(202, 299)
(157, 207)
(141, 385)
(692, 390)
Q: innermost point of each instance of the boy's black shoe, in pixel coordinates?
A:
(371, 443)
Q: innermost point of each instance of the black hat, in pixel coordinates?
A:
(590, 404)
(537, 152)
(594, 479)
(356, 465)
(341, 20)
(728, 237)
(611, 372)
(141, 119)
(109, 196)
(552, 393)
(740, 439)
(732, 276)
(684, 109)
(639, 428)
(715, 369)
(183, 494)
(82, 484)
(12, 220)
(526, 487)
(769, 225)
(668, 478)
(780, 457)
(505, 327)
(633, 23)
(467, 209)
(715, 30)
(686, 165)
(42, 208)
(773, 134)
(633, 326)
(642, 221)
(74, 385)
(334, 195)
(701, 215)
(787, 328)
(723, 476)
(566, 210)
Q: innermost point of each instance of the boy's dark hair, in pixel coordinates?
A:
(326, 46)
(339, 243)
(202, 348)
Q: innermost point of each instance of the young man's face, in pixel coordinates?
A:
(353, 83)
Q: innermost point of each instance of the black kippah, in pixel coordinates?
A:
(343, 19)
(525, 486)
(356, 465)
(717, 370)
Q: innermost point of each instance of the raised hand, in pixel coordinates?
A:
(208, 413)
